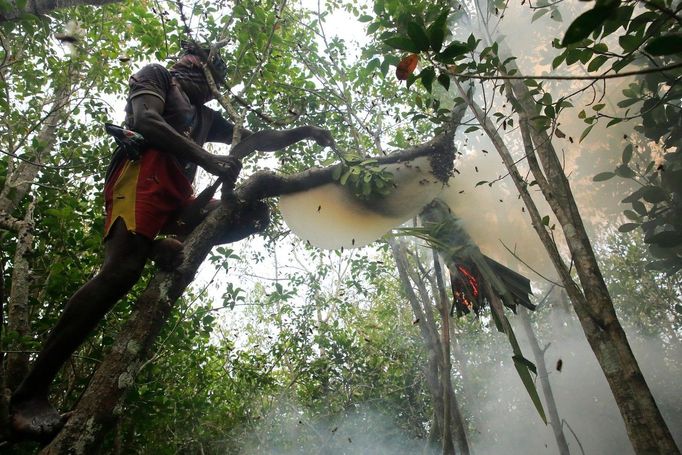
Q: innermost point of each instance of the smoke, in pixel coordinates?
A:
(291, 430)
(501, 416)
(506, 421)
(483, 195)
(503, 419)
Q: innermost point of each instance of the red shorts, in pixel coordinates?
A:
(146, 194)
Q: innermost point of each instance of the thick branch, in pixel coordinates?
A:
(102, 402)
(14, 11)
(25, 172)
(597, 77)
(17, 312)
(10, 223)
(267, 184)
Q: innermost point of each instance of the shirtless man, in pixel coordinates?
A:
(144, 196)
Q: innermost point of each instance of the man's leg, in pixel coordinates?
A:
(124, 257)
(249, 218)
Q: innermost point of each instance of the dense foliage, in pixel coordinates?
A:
(282, 348)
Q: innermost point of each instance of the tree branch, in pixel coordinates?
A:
(15, 11)
(658, 69)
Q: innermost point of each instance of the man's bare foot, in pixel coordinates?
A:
(167, 254)
(35, 419)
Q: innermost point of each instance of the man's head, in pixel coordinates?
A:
(188, 70)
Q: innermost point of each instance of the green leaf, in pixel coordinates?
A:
(538, 14)
(603, 176)
(639, 207)
(418, 36)
(556, 15)
(472, 42)
(344, 177)
(666, 239)
(336, 173)
(558, 60)
(549, 111)
(402, 43)
(624, 171)
(436, 32)
(627, 227)
(653, 194)
(453, 50)
(628, 102)
(629, 42)
(545, 220)
(665, 45)
(364, 18)
(586, 132)
(630, 215)
(444, 80)
(372, 65)
(627, 154)
(596, 63)
(524, 373)
(427, 76)
(598, 107)
(471, 129)
(585, 24)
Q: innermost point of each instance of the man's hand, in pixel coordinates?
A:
(225, 167)
(322, 136)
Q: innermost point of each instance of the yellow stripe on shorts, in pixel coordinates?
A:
(123, 204)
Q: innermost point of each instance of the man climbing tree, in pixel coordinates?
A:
(147, 195)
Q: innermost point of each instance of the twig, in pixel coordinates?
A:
(543, 300)
(563, 421)
(531, 268)
(268, 48)
(659, 69)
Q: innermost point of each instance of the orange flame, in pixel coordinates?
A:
(473, 282)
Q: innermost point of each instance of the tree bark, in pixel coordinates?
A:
(14, 10)
(644, 423)
(453, 416)
(18, 309)
(540, 365)
(448, 424)
(24, 173)
(5, 393)
(101, 404)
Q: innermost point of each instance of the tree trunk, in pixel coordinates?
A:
(453, 416)
(18, 310)
(539, 355)
(102, 402)
(15, 9)
(644, 423)
(448, 425)
(21, 175)
(24, 173)
(5, 393)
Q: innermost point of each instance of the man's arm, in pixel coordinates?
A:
(148, 121)
(222, 131)
(272, 140)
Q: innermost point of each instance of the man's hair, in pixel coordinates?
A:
(217, 65)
